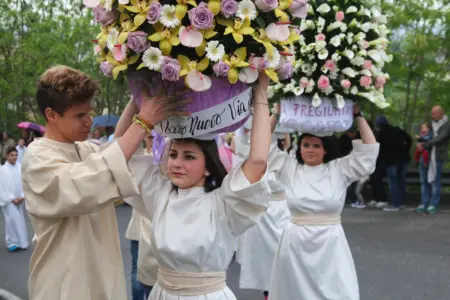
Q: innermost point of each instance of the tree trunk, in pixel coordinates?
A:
(414, 104)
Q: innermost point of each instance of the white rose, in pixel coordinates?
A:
(366, 27)
(351, 9)
(336, 57)
(320, 45)
(323, 9)
(335, 41)
(358, 61)
(349, 53)
(349, 72)
(344, 27)
(333, 26)
(354, 90)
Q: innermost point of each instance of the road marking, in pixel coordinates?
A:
(7, 295)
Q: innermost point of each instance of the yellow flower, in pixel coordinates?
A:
(262, 38)
(214, 6)
(237, 60)
(102, 37)
(167, 38)
(121, 65)
(271, 74)
(127, 26)
(188, 66)
(238, 29)
(140, 7)
(181, 8)
(280, 10)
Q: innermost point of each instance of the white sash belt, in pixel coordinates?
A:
(315, 219)
(277, 197)
(190, 284)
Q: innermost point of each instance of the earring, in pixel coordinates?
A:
(207, 173)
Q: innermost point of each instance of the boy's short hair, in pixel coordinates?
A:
(61, 87)
(10, 150)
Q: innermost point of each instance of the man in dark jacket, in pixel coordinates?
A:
(438, 148)
(392, 160)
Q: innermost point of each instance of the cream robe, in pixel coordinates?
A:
(257, 246)
(70, 191)
(11, 188)
(133, 232)
(194, 231)
(147, 264)
(314, 262)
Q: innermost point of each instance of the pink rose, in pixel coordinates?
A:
(380, 82)
(320, 37)
(367, 64)
(340, 16)
(346, 84)
(170, 69)
(323, 83)
(365, 81)
(104, 16)
(137, 41)
(299, 8)
(201, 17)
(266, 5)
(304, 82)
(153, 13)
(330, 65)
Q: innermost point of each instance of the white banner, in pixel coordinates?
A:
(209, 120)
(303, 110)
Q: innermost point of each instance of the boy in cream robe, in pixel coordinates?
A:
(12, 203)
(70, 186)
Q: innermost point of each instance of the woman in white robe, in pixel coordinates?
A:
(258, 245)
(313, 261)
(197, 216)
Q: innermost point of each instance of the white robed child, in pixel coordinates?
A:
(12, 202)
(197, 209)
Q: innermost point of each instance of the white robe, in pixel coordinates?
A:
(315, 262)
(11, 188)
(69, 192)
(194, 231)
(257, 246)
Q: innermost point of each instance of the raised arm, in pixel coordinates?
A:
(256, 164)
(365, 131)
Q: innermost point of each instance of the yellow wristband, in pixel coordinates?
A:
(137, 120)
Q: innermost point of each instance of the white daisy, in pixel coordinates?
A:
(167, 17)
(153, 58)
(246, 9)
(214, 51)
(272, 60)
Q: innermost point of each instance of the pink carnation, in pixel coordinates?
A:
(320, 37)
(346, 84)
(323, 83)
(380, 82)
(340, 16)
(304, 82)
(367, 64)
(330, 65)
(365, 81)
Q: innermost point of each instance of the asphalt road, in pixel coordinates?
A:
(398, 256)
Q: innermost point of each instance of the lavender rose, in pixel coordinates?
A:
(228, 7)
(104, 16)
(170, 69)
(266, 5)
(201, 17)
(137, 41)
(285, 71)
(106, 68)
(153, 13)
(221, 69)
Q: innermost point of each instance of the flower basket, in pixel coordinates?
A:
(194, 40)
(341, 55)
(322, 120)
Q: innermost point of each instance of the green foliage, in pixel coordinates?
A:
(36, 35)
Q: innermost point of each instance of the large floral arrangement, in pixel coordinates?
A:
(198, 39)
(340, 55)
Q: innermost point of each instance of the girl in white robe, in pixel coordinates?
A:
(313, 261)
(197, 214)
(257, 246)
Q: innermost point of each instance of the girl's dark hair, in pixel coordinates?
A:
(213, 163)
(329, 144)
(280, 143)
